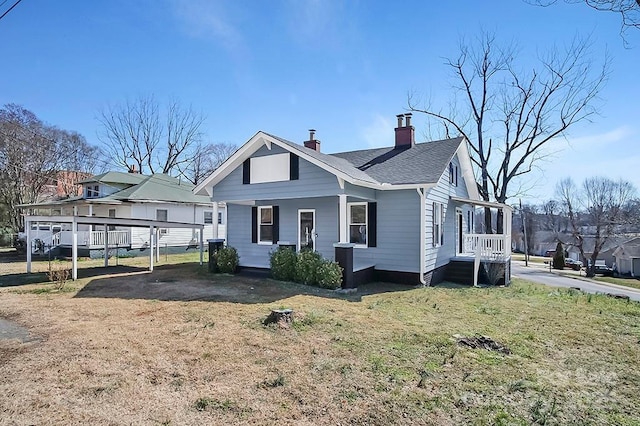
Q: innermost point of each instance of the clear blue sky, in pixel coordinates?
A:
(341, 67)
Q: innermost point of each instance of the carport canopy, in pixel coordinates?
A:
(153, 225)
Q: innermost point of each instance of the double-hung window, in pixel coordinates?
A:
(93, 191)
(162, 216)
(437, 219)
(208, 217)
(358, 224)
(265, 225)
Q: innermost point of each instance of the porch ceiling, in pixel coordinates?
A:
(482, 203)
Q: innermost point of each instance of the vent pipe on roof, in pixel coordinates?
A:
(312, 143)
(405, 135)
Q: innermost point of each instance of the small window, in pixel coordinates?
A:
(219, 218)
(93, 191)
(265, 225)
(358, 223)
(438, 219)
(161, 215)
(112, 214)
(208, 218)
(453, 174)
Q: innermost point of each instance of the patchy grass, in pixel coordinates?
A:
(384, 358)
(533, 259)
(627, 282)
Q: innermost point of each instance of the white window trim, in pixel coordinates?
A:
(366, 222)
(260, 208)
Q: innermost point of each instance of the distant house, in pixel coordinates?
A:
(401, 213)
(627, 258)
(64, 184)
(125, 196)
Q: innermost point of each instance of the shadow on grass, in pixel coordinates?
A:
(195, 283)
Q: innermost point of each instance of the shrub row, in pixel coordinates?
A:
(307, 267)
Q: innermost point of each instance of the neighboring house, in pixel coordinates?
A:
(64, 184)
(627, 258)
(588, 244)
(404, 213)
(117, 195)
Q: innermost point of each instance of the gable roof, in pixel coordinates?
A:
(630, 248)
(384, 168)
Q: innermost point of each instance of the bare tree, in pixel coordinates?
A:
(205, 159)
(511, 114)
(596, 209)
(629, 10)
(141, 134)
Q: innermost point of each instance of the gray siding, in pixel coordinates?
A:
(313, 181)
(436, 257)
(398, 245)
(257, 255)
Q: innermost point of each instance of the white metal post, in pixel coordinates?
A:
(151, 248)
(158, 245)
(202, 243)
(74, 248)
(106, 245)
(27, 229)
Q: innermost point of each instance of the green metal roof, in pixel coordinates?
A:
(159, 187)
(116, 177)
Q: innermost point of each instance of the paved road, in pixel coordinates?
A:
(541, 275)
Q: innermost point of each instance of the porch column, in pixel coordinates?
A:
(27, 229)
(74, 249)
(507, 231)
(151, 248)
(106, 245)
(215, 220)
(91, 226)
(342, 218)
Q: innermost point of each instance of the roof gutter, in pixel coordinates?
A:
(423, 238)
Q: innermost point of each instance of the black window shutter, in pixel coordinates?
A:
(246, 172)
(276, 224)
(294, 166)
(254, 224)
(372, 223)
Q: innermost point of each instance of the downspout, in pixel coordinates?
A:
(423, 215)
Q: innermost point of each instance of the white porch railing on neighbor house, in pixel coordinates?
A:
(96, 238)
(115, 238)
(487, 246)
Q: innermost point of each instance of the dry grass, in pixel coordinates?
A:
(386, 358)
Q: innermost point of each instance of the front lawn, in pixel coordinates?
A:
(627, 282)
(129, 350)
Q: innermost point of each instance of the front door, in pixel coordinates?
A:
(306, 229)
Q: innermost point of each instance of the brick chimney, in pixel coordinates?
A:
(405, 135)
(312, 143)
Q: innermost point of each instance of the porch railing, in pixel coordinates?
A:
(487, 246)
(115, 238)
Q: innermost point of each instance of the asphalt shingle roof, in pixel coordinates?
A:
(632, 247)
(422, 163)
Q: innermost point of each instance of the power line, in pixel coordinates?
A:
(9, 10)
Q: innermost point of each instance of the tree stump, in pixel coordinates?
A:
(281, 317)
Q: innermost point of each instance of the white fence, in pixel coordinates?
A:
(96, 238)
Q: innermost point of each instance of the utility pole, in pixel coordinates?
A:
(524, 229)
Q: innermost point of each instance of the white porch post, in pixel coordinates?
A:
(106, 245)
(342, 219)
(507, 231)
(214, 220)
(74, 249)
(202, 242)
(27, 229)
(151, 248)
